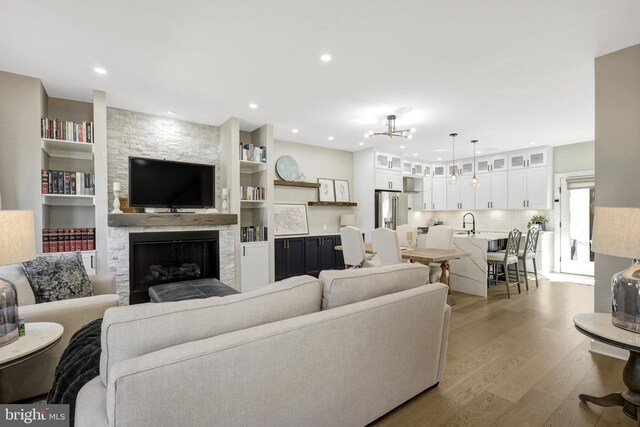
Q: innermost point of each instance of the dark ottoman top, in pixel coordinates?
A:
(190, 289)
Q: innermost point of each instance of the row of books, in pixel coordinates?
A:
(68, 239)
(253, 154)
(64, 182)
(253, 193)
(253, 233)
(67, 131)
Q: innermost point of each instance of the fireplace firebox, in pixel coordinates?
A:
(166, 257)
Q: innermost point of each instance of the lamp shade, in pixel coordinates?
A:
(347, 220)
(17, 237)
(616, 231)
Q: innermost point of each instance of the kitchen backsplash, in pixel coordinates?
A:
(494, 220)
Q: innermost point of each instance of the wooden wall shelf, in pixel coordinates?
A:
(170, 219)
(296, 184)
(346, 204)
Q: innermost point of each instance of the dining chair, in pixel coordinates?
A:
(386, 245)
(353, 250)
(407, 235)
(507, 258)
(438, 237)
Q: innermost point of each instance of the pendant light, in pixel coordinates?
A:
(453, 178)
(474, 180)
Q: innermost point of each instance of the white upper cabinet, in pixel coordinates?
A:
(418, 169)
(538, 196)
(439, 170)
(499, 162)
(537, 157)
(439, 193)
(407, 167)
(466, 167)
(528, 158)
(388, 161)
(517, 160)
(388, 180)
(427, 194)
(483, 165)
(427, 170)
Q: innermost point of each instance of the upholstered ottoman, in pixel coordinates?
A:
(190, 289)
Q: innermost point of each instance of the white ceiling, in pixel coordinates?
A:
(505, 72)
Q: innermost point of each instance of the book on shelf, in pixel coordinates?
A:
(249, 193)
(71, 183)
(251, 153)
(68, 239)
(253, 233)
(66, 130)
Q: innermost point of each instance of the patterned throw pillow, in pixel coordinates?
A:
(57, 277)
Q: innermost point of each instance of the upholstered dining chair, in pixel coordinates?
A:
(438, 237)
(407, 235)
(386, 245)
(352, 246)
(507, 258)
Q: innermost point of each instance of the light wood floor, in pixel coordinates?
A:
(518, 361)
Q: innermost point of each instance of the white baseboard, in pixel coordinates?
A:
(608, 350)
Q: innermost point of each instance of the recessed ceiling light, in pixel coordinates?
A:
(415, 154)
(360, 143)
(100, 70)
(533, 143)
(330, 138)
(479, 152)
(171, 113)
(439, 150)
(412, 129)
(294, 130)
(439, 158)
(325, 57)
(409, 136)
(402, 146)
(253, 106)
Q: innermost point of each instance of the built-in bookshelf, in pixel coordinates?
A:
(68, 184)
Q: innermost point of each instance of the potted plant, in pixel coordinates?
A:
(538, 221)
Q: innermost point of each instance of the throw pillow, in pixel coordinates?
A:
(58, 277)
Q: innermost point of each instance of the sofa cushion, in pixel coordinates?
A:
(15, 274)
(132, 331)
(58, 277)
(341, 287)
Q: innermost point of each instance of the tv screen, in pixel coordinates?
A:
(166, 184)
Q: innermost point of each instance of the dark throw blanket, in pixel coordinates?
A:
(79, 364)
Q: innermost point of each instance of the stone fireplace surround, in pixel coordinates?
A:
(118, 264)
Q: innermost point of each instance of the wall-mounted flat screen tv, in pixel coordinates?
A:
(167, 184)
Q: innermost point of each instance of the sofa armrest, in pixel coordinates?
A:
(70, 313)
(103, 284)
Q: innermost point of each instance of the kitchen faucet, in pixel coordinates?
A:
(473, 223)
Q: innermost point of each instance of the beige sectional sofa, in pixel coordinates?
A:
(35, 376)
(273, 357)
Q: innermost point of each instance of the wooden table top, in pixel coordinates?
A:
(423, 255)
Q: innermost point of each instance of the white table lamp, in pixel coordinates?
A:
(17, 244)
(616, 232)
(346, 220)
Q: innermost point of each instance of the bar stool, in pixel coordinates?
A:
(529, 253)
(507, 258)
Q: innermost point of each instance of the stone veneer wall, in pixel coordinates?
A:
(137, 134)
(119, 253)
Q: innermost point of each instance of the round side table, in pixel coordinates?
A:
(39, 337)
(599, 327)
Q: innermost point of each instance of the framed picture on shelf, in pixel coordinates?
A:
(290, 219)
(341, 190)
(326, 191)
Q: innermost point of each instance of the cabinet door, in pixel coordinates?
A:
(427, 194)
(312, 255)
(382, 181)
(537, 157)
(517, 160)
(538, 196)
(439, 171)
(337, 255)
(396, 162)
(280, 258)
(483, 192)
(453, 196)
(327, 253)
(439, 194)
(451, 167)
(467, 193)
(382, 160)
(517, 189)
(499, 163)
(483, 165)
(416, 201)
(254, 266)
(89, 261)
(295, 257)
(396, 181)
(418, 169)
(466, 167)
(407, 167)
(499, 190)
(426, 170)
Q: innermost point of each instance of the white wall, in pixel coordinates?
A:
(316, 162)
(574, 157)
(617, 150)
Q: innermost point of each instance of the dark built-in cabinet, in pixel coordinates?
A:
(306, 255)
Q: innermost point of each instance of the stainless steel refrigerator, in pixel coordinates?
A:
(392, 209)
